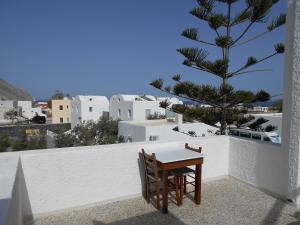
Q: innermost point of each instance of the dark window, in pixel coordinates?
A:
(91, 109)
(234, 132)
(245, 134)
(61, 107)
(256, 136)
(267, 139)
(61, 120)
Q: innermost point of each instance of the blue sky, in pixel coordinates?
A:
(105, 47)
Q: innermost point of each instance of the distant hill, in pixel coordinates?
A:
(9, 92)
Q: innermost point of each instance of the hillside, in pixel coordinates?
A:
(9, 92)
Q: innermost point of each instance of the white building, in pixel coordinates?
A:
(85, 108)
(260, 109)
(137, 107)
(5, 106)
(163, 130)
(25, 110)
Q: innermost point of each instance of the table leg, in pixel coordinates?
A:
(198, 184)
(165, 191)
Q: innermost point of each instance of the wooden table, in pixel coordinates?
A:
(179, 158)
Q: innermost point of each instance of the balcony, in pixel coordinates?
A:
(225, 201)
(102, 185)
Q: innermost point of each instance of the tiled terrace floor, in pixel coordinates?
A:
(224, 202)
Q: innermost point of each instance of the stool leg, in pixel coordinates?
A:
(184, 186)
(158, 195)
(148, 190)
(181, 189)
(176, 183)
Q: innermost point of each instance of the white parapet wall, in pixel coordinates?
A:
(258, 163)
(51, 180)
(8, 173)
(42, 182)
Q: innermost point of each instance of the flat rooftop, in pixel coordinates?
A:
(224, 201)
(157, 122)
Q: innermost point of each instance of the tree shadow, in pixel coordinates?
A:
(156, 218)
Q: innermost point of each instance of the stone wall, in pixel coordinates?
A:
(14, 130)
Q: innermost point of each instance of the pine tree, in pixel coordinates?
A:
(224, 100)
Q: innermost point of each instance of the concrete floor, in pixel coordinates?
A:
(224, 202)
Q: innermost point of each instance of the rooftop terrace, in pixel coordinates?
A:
(55, 181)
(225, 201)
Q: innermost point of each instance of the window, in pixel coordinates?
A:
(154, 138)
(266, 138)
(147, 113)
(79, 118)
(61, 107)
(67, 106)
(91, 99)
(129, 139)
(129, 113)
(256, 136)
(61, 120)
(234, 133)
(245, 134)
(90, 109)
(68, 120)
(119, 113)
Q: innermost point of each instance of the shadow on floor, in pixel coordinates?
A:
(156, 218)
(4, 206)
(297, 217)
(274, 213)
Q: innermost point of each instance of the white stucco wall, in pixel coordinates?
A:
(8, 174)
(116, 103)
(259, 164)
(137, 107)
(131, 133)
(4, 107)
(143, 130)
(291, 102)
(24, 108)
(58, 179)
(80, 109)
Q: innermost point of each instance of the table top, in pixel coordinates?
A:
(177, 155)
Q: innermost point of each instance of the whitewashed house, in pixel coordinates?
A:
(163, 130)
(26, 111)
(260, 109)
(137, 107)
(85, 108)
(23, 108)
(5, 106)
